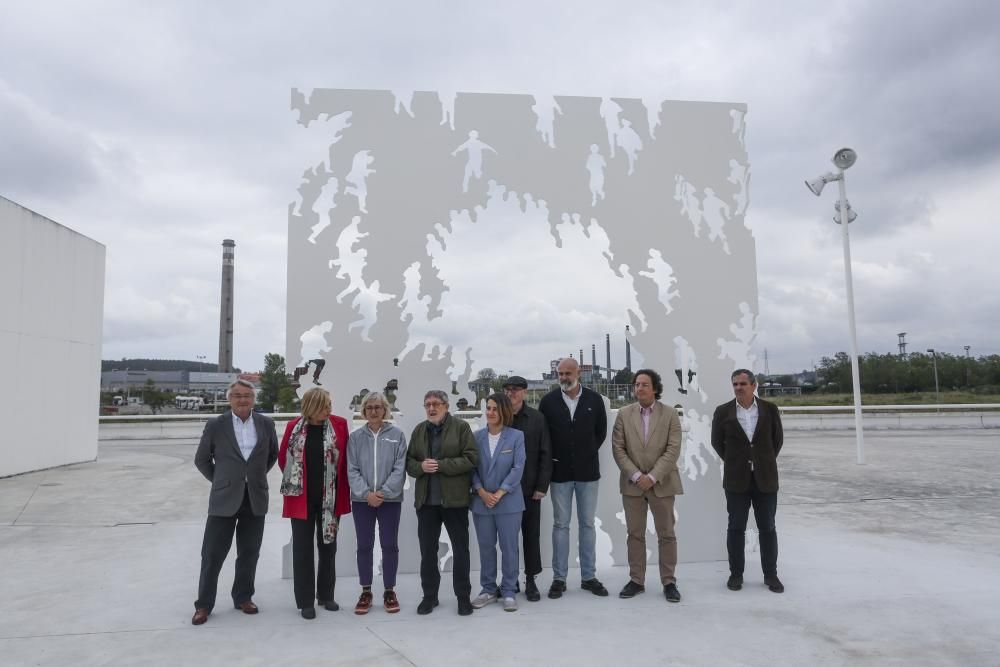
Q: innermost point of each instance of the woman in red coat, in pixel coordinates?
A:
(313, 461)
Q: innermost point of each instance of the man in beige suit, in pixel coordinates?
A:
(646, 443)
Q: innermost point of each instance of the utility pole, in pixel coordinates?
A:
(968, 367)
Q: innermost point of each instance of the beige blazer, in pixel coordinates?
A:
(656, 456)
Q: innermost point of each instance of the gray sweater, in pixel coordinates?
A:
(377, 463)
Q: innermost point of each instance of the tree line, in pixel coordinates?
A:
(894, 373)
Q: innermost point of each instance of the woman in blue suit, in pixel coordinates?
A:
(497, 501)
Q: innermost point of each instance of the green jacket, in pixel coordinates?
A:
(459, 458)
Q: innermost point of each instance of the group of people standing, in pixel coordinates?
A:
(499, 473)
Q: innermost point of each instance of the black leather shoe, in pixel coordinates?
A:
(557, 588)
(631, 590)
(309, 612)
(426, 606)
(464, 606)
(531, 590)
(595, 587)
(735, 582)
(774, 584)
(671, 593)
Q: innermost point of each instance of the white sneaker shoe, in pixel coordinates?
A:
(483, 599)
(509, 604)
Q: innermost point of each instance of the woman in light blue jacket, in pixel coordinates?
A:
(376, 472)
(497, 501)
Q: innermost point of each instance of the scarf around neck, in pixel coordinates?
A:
(292, 483)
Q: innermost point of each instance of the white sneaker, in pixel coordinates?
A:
(483, 599)
(509, 604)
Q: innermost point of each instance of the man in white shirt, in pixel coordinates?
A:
(747, 435)
(236, 451)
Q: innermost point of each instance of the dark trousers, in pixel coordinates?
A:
(430, 518)
(530, 531)
(365, 518)
(219, 530)
(307, 580)
(764, 507)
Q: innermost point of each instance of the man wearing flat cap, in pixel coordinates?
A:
(534, 480)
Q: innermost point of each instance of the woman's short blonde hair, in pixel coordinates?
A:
(375, 397)
(314, 401)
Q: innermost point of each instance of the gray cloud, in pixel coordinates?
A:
(161, 131)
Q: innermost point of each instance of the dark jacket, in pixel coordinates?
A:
(537, 450)
(575, 441)
(731, 443)
(458, 459)
(219, 459)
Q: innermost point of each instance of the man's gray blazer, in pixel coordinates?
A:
(219, 459)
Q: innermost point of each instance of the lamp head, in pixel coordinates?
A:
(816, 185)
(845, 158)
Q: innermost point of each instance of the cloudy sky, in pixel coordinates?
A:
(159, 130)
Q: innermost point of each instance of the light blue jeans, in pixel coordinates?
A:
(562, 512)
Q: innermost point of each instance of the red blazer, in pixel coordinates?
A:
(295, 506)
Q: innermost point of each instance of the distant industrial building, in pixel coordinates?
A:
(191, 382)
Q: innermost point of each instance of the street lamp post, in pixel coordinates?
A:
(843, 160)
(937, 391)
(968, 367)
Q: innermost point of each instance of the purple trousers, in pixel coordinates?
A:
(365, 517)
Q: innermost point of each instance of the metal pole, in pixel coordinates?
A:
(856, 375)
(937, 390)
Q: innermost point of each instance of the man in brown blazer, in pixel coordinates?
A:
(747, 435)
(646, 443)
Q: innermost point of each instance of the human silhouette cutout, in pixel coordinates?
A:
(357, 178)
(630, 142)
(595, 165)
(473, 148)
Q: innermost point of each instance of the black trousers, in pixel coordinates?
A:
(219, 530)
(530, 531)
(764, 507)
(430, 518)
(312, 582)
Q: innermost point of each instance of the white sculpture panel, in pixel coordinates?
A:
(438, 233)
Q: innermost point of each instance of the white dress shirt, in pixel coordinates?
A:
(747, 418)
(571, 403)
(246, 434)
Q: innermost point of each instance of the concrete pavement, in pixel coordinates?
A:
(895, 562)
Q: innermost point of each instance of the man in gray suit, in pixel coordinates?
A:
(235, 453)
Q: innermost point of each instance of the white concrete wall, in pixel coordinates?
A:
(52, 300)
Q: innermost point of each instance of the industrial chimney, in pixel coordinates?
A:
(226, 308)
(628, 351)
(607, 347)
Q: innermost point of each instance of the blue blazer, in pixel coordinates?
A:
(501, 471)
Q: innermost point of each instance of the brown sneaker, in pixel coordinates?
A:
(364, 603)
(390, 602)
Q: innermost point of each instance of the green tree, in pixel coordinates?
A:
(287, 398)
(273, 379)
(155, 398)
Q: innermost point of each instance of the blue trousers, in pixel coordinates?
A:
(502, 529)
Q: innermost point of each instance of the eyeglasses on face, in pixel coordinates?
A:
(434, 405)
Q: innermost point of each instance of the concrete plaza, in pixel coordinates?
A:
(894, 562)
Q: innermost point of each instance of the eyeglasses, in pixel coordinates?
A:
(434, 405)
(373, 408)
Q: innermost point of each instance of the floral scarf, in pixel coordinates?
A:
(291, 478)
